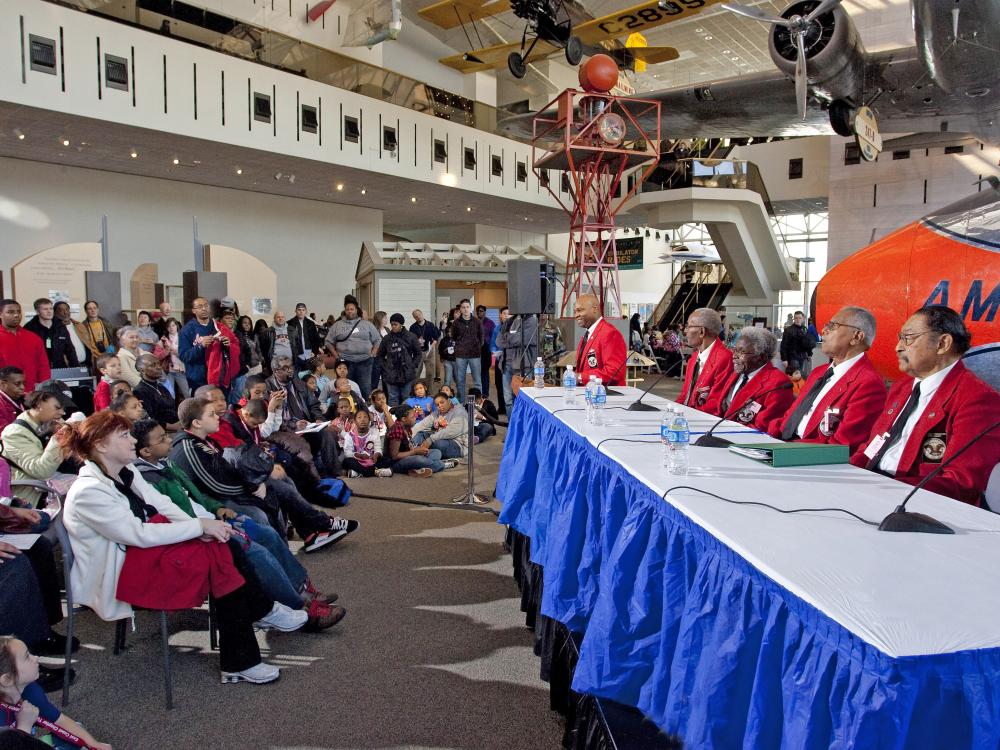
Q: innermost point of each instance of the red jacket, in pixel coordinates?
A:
(9, 411)
(25, 350)
(759, 412)
(102, 395)
(604, 356)
(223, 370)
(859, 395)
(962, 406)
(711, 380)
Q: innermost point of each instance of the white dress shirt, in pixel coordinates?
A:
(736, 386)
(838, 372)
(928, 387)
(703, 356)
(78, 347)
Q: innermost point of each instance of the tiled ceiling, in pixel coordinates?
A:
(108, 147)
(713, 45)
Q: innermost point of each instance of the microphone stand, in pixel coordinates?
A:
(637, 405)
(902, 520)
(708, 440)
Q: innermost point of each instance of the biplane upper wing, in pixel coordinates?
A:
(448, 14)
(639, 18)
(490, 58)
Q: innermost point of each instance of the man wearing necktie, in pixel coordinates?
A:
(711, 363)
(756, 392)
(601, 351)
(841, 400)
(934, 411)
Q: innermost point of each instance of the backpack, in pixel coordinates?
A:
(335, 491)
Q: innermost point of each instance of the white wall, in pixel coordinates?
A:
(312, 246)
(772, 160)
(477, 234)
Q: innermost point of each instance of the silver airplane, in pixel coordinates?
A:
(948, 82)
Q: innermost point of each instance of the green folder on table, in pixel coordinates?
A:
(793, 454)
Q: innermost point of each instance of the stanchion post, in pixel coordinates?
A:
(469, 497)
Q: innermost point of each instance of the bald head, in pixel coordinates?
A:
(279, 317)
(586, 310)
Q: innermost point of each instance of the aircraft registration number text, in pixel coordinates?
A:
(647, 16)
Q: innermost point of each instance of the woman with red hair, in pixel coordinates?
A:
(133, 546)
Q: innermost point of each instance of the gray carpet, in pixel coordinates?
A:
(433, 652)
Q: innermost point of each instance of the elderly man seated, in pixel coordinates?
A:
(756, 392)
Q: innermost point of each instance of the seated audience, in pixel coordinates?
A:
(756, 392)
(380, 412)
(55, 338)
(310, 380)
(128, 405)
(363, 449)
(332, 391)
(11, 393)
(316, 366)
(841, 400)
(447, 430)
(449, 391)
(407, 458)
(344, 421)
(37, 715)
(205, 464)
(710, 364)
(128, 351)
(27, 445)
(148, 338)
(420, 401)
(934, 411)
(114, 519)
(110, 369)
(487, 416)
(156, 399)
(21, 348)
(298, 409)
(281, 577)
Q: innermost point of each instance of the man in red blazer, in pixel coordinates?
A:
(756, 392)
(601, 351)
(934, 412)
(710, 365)
(840, 401)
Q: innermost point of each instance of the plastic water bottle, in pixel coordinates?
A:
(680, 438)
(666, 434)
(588, 395)
(569, 386)
(539, 373)
(600, 399)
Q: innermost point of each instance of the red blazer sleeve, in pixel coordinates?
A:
(867, 402)
(716, 395)
(613, 364)
(775, 403)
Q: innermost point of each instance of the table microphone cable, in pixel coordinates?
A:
(765, 505)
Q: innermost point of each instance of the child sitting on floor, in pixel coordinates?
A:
(24, 705)
(446, 390)
(486, 417)
(380, 412)
(344, 421)
(420, 401)
(363, 449)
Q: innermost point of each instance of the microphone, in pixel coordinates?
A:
(901, 520)
(637, 405)
(614, 375)
(708, 440)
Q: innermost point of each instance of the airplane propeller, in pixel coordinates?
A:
(798, 27)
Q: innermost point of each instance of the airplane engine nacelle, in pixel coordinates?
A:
(835, 56)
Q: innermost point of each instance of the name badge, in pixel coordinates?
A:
(48, 343)
(876, 445)
(831, 418)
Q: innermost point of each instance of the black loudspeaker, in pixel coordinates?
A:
(531, 287)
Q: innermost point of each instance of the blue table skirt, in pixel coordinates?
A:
(677, 624)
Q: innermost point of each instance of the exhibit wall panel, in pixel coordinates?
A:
(312, 246)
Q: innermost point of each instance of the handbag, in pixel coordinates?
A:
(254, 463)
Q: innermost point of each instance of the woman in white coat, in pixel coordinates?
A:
(117, 522)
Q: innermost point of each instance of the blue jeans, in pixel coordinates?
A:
(463, 365)
(484, 431)
(361, 373)
(281, 576)
(236, 390)
(431, 461)
(397, 394)
(304, 517)
(449, 372)
(508, 391)
(449, 448)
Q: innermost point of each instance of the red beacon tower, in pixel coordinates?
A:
(596, 141)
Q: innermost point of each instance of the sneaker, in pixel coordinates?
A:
(258, 674)
(424, 472)
(282, 618)
(339, 528)
(352, 474)
(475, 439)
(311, 593)
(450, 463)
(323, 616)
(383, 473)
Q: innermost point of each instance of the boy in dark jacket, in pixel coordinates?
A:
(400, 357)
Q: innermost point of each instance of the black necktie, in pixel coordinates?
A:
(791, 427)
(583, 349)
(897, 427)
(729, 396)
(694, 380)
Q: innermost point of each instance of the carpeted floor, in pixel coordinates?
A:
(432, 654)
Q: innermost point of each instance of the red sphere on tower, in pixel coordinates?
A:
(584, 81)
(600, 72)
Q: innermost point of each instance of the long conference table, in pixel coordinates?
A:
(737, 626)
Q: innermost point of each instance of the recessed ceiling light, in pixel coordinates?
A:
(291, 179)
(698, 30)
(340, 186)
(19, 134)
(734, 59)
(726, 51)
(468, 209)
(277, 175)
(134, 154)
(239, 171)
(708, 38)
(65, 142)
(413, 199)
(176, 161)
(364, 191)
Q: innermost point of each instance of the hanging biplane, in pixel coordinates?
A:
(550, 27)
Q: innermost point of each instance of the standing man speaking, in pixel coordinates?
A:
(601, 351)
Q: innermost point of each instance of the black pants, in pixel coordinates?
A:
(498, 382)
(304, 517)
(352, 464)
(235, 614)
(44, 564)
(485, 360)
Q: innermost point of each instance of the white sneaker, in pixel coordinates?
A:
(258, 674)
(352, 474)
(383, 472)
(282, 618)
(450, 463)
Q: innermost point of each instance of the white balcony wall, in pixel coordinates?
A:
(190, 91)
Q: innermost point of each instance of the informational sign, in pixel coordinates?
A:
(866, 134)
(261, 305)
(629, 253)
